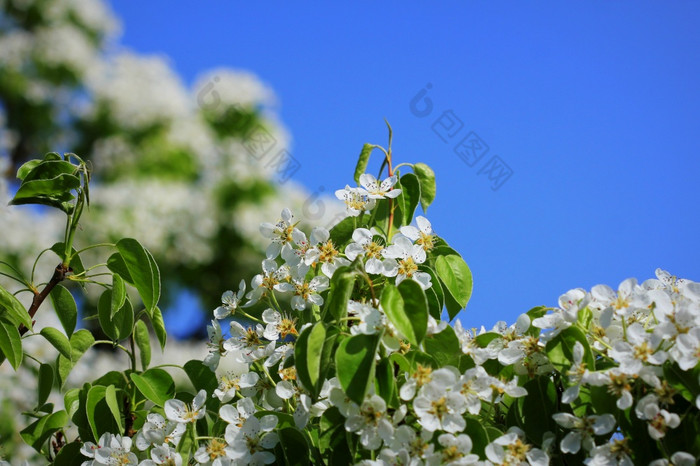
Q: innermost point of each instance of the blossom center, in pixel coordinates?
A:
(439, 408)
(373, 250)
(356, 201)
(269, 282)
(618, 384)
(422, 375)
(407, 267)
(215, 449)
(451, 453)
(227, 383)
(303, 290)
(251, 337)
(328, 252)
(518, 450)
(643, 351)
(287, 327)
(290, 373)
(426, 240)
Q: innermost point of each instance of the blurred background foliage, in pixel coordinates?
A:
(188, 171)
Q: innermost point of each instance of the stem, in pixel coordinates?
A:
(248, 316)
(371, 218)
(371, 289)
(13, 278)
(59, 275)
(404, 164)
(108, 342)
(106, 245)
(72, 226)
(133, 352)
(391, 200)
(31, 278)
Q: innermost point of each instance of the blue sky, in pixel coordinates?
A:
(593, 106)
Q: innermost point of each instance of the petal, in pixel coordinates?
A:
(410, 232)
(424, 225)
(571, 443)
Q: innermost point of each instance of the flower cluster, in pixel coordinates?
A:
(343, 356)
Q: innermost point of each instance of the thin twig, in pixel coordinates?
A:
(59, 274)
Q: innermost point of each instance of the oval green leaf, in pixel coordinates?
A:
(362, 161)
(155, 384)
(354, 361)
(66, 309)
(426, 177)
(457, 278)
(143, 343)
(58, 340)
(406, 306)
(12, 310)
(11, 343)
(307, 356)
(45, 383)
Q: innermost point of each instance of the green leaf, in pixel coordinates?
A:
(26, 168)
(409, 198)
(416, 357)
(308, 351)
(116, 264)
(401, 361)
(54, 192)
(535, 313)
(118, 294)
(560, 349)
(385, 383)
(66, 309)
(363, 160)
(11, 343)
(295, 449)
(341, 233)
(435, 294)
(159, 327)
(46, 169)
(201, 376)
(94, 397)
(143, 342)
(457, 278)
(76, 263)
(477, 433)
(155, 384)
(686, 382)
(80, 342)
(119, 327)
(341, 286)
(58, 340)
(444, 346)
(426, 177)
(71, 401)
(354, 362)
(535, 409)
(69, 455)
(143, 271)
(39, 431)
(12, 310)
(114, 405)
(155, 271)
(406, 306)
(45, 383)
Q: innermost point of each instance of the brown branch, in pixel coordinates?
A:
(59, 274)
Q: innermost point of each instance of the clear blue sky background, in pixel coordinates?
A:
(595, 106)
